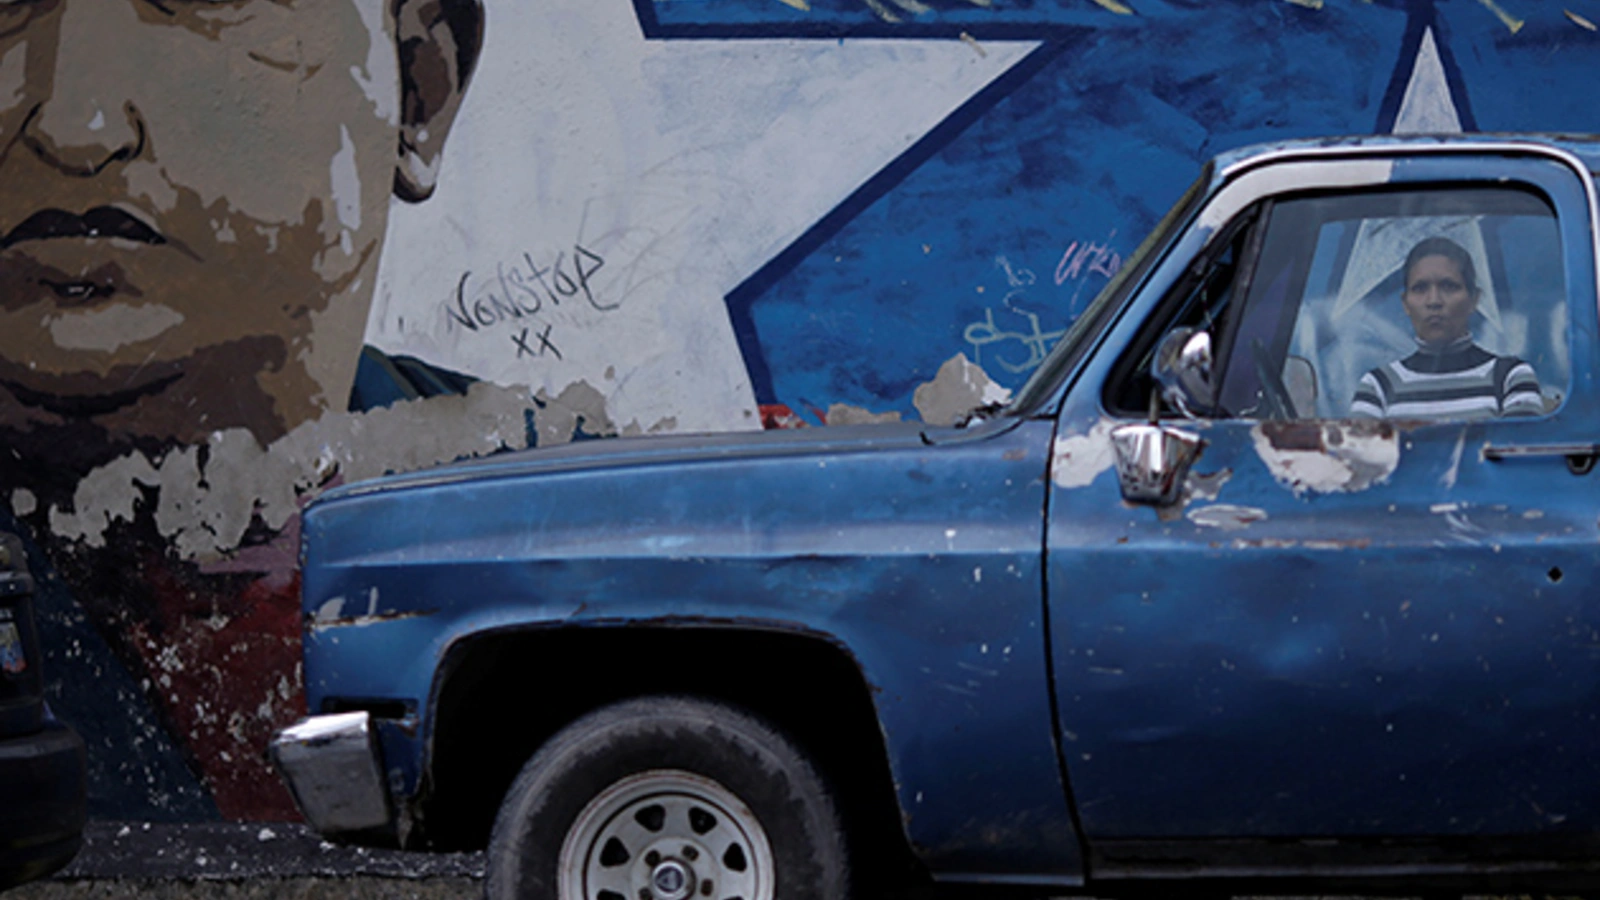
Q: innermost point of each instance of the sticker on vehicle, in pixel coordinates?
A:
(12, 660)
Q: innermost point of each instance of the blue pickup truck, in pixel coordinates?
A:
(1282, 573)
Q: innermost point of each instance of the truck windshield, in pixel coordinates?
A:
(1070, 348)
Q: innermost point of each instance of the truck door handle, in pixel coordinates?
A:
(1580, 457)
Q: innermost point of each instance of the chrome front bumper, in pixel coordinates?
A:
(334, 769)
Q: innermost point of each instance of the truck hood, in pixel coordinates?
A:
(666, 450)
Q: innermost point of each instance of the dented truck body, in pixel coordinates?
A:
(1261, 638)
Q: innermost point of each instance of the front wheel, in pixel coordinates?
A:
(667, 798)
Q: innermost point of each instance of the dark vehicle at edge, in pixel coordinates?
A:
(42, 761)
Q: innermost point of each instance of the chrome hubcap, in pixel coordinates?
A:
(666, 835)
(673, 880)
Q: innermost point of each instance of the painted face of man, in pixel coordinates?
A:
(1438, 300)
(193, 198)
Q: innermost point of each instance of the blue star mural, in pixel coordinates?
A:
(994, 230)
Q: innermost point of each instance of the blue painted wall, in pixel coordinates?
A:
(992, 233)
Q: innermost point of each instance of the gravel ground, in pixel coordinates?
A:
(227, 861)
(370, 887)
(275, 861)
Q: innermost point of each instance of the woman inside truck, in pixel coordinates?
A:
(1449, 375)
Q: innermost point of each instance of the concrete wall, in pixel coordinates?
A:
(251, 250)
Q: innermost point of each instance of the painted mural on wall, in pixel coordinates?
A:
(358, 236)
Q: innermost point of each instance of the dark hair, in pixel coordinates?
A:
(465, 19)
(1438, 246)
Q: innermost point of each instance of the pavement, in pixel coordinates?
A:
(260, 861)
(256, 861)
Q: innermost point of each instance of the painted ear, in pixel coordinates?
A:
(438, 43)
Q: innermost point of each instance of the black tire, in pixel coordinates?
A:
(599, 780)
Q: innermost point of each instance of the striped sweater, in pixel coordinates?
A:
(1461, 381)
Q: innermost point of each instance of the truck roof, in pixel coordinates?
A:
(1584, 146)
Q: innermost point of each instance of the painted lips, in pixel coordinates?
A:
(42, 258)
(100, 222)
(49, 258)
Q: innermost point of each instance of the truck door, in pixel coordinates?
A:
(1347, 619)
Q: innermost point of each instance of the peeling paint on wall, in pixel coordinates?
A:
(960, 387)
(209, 494)
(578, 406)
(845, 414)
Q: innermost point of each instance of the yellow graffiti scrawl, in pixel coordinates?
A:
(1512, 22)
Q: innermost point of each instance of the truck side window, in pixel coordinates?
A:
(1431, 303)
(1204, 300)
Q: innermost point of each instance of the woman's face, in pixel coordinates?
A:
(1437, 299)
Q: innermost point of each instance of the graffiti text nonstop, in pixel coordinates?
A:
(518, 293)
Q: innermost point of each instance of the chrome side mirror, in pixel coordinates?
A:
(1153, 460)
(1182, 366)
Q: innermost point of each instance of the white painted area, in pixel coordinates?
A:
(1205, 488)
(24, 502)
(685, 165)
(346, 182)
(1357, 457)
(1427, 107)
(1078, 460)
(1226, 516)
(108, 328)
(379, 79)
